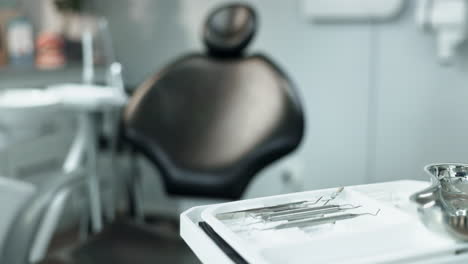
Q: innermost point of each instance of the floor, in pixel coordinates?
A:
(123, 243)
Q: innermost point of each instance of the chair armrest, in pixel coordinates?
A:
(23, 234)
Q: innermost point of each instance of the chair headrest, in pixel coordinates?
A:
(229, 29)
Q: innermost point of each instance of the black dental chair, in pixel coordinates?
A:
(209, 122)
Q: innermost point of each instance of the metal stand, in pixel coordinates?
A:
(91, 167)
(136, 190)
(84, 150)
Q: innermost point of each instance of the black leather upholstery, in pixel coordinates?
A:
(211, 122)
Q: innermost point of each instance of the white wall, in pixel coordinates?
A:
(420, 114)
(377, 103)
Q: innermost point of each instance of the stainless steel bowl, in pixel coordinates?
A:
(443, 207)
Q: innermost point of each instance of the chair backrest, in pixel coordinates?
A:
(211, 121)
